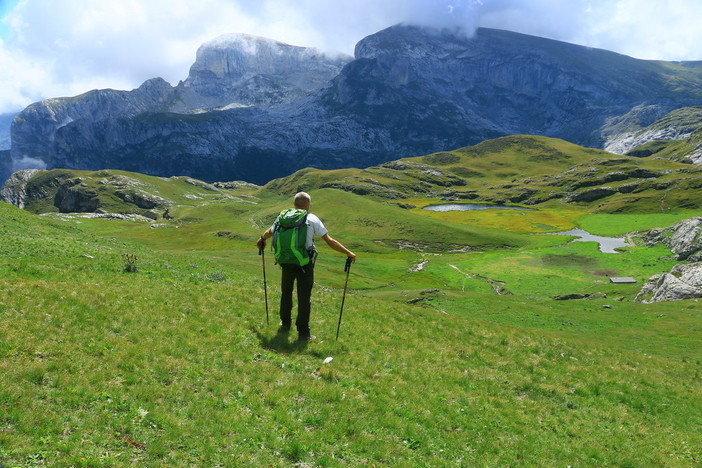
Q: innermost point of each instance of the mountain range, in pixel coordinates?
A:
(254, 109)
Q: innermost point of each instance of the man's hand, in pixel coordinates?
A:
(261, 243)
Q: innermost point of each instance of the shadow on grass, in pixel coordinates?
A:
(282, 342)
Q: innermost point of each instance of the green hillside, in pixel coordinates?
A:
(528, 170)
(452, 351)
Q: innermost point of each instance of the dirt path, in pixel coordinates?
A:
(497, 286)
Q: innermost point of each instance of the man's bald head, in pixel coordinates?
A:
(302, 200)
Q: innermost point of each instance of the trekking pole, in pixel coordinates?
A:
(347, 269)
(265, 286)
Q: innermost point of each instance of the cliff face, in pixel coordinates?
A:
(512, 83)
(409, 91)
(239, 70)
(34, 129)
(14, 191)
(5, 166)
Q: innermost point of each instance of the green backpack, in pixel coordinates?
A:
(289, 236)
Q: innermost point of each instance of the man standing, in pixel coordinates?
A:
(304, 275)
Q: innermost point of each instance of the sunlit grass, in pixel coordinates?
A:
(174, 365)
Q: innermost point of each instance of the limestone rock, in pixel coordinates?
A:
(683, 282)
(141, 199)
(684, 239)
(14, 191)
(35, 128)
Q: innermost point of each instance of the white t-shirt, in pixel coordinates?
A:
(315, 227)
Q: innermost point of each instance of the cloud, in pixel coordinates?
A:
(664, 30)
(65, 48)
(27, 163)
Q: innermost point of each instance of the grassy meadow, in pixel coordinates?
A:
(452, 350)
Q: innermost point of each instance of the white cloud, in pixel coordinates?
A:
(69, 47)
(665, 30)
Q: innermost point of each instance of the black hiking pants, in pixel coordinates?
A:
(305, 280)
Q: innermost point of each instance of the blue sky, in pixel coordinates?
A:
(51, 48)
(5, 7)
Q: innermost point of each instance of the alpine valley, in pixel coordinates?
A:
(138, 326)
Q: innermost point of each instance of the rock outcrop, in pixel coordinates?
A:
(683, 282)
(14, 191)
(409, 91)
(684, 239)
(73, 196)
(627, 132)
(65, 191)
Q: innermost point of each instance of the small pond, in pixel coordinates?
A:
(607, 244)
(470, 207)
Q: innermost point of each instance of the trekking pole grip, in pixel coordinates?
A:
(347, 267)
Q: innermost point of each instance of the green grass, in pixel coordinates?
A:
(616, 225)
(523, 169)
(174, 365)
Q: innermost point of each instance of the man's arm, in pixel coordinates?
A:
(261, 243)
(336, 245)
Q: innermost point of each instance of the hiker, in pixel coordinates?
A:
(299, 267)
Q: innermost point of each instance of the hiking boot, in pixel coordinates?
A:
(306, 338)
(283, 328)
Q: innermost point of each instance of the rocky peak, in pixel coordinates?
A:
(239, 70)
(414, 41)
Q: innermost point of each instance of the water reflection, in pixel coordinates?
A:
(607, 244)
(471, 206)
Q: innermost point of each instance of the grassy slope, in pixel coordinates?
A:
(174, 365)
(535, 171)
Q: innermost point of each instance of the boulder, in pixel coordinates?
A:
(591, 194)
(684, 239)
(141, 199)
(683, 282)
